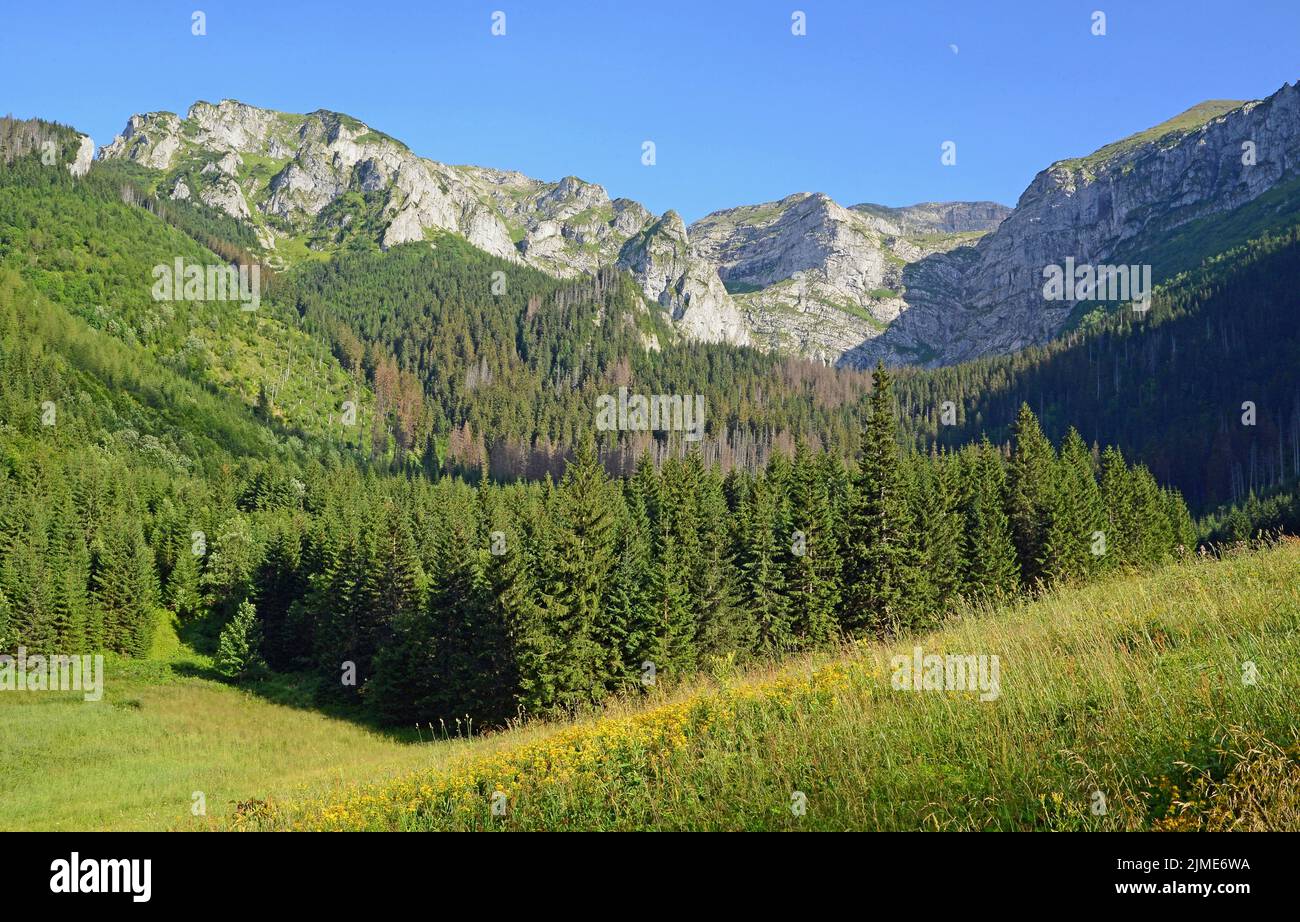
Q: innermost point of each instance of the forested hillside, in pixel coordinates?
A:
(464, 546)
(467, 363)
(511, 362)
(1204, 389)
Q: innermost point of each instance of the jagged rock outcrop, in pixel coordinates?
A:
(85, 155)
(566, 228)
(936, 217)
(818, 279)
(325, 175)
(1112, 204)
(808, 275)
(673, 274)
(932, 283)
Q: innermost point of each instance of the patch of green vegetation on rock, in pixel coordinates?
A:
(1167, 131)
(1183, 248)
(597, 214)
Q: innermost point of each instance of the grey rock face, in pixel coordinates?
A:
(937, 217)
(932, 283)
(80, 164)
(312, 175)
(809, 276)
(673, 274)
(817, 279)
(989, 298)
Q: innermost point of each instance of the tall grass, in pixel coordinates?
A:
(162, 732)
(1158, 701)
(1133, 689)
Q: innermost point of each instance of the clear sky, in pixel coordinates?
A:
(740, 109)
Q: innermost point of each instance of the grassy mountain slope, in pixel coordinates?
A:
(79, 255)
(1132, 687)
(165, 729)
(1137, 688)
(1166, 132)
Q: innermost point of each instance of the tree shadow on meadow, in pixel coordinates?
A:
(301, 690)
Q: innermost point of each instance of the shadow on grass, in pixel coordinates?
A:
(201, 633)
(303, 691)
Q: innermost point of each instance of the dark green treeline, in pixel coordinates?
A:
(435, 600)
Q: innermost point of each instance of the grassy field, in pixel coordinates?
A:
(163, 731)
(1123, 705)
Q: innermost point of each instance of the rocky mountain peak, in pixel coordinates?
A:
(928, 283)
(1123, 201)
(325, 177)
(936, 217)
(816, 278)
(675, 276)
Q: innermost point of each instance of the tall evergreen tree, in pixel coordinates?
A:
(723, 626)
(585, 514)
(1030, 481)
(1076, 538)
(763, 549)
(629, 615)
(673, 648)
(1155, 533)
(237, 648)
(280, 583)
(125, 588)
(941, 529)
(1123, 545)
(881, 561)
(991, 570)
(813, 567)
(1182, 529)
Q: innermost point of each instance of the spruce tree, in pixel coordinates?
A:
(279, 584)
(813, 565)
(628, 624)
(522, 603)
(1155, 534)
(181, 593)
(940, 527)
(1030, 483)
(70, 572)
(991, 570)
(1123, 545)
(585, 517)
(1076, 535)
(1181, 527)
(125, 589)
(763, 549)
(673, 650)
(31, 587)
(881, 559)
(723, 626)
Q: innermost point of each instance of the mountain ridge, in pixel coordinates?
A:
(931, 284)
(322, 174)
(988, 299)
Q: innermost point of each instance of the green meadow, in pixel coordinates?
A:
(1165, 700)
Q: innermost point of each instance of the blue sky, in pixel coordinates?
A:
(740, 109)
